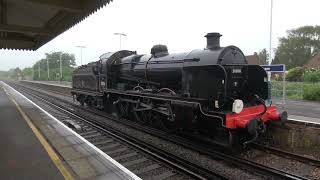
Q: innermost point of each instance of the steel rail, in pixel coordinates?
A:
(284, 153)
(176, 162)
(208, 150)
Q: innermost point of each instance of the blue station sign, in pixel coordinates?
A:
(274, 68)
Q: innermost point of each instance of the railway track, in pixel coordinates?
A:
(146, 161)
(230, 158)
(66, 92)
(284, 153)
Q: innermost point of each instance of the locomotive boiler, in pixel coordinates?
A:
(211, 91)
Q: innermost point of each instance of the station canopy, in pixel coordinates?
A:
(29, 24)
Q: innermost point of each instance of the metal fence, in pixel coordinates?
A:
(293, 90)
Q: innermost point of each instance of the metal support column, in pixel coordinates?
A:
(60, 67)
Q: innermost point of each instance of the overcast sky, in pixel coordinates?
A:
(180, 24)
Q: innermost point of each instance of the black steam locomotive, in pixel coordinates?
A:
(211, 91)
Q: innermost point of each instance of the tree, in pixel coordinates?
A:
(27, 72)
(263, 56)
(68, 64)
(312, 75)
(297, 48)
(295, 74)
(3, 74)
(15, 73)
(68, 60)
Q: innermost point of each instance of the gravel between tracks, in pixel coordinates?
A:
(278, 162)
(230, 171)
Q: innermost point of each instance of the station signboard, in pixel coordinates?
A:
(277, 68)
(274, 68)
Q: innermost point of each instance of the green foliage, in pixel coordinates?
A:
(14, 73)
(297, 90)
(67, 76)
(3, 74)
(311, 91)
(263, 56)
(277, 77)
(27, 72)
(297, 48)
(55, 74)
(68, 60)
(53, 59)
(295, 74)
(294, 90)
(312, 76)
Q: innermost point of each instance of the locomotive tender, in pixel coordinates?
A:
(211, 91)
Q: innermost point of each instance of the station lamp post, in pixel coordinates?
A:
(120, 34)
(81, 47)
(39, 70)
(48, 68)
(270, 40)
(60, 66)
(32, 72)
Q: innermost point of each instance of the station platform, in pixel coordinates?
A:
(35, 145)
(300, 110)
(54, 83)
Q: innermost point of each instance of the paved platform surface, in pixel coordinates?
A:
(301, 109)
(21, 156)
(56, 83)
(24, 156)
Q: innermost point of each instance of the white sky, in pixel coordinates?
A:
(180, 24)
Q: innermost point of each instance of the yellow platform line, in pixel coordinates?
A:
(52, 154)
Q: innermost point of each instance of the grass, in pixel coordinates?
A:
(297, 90)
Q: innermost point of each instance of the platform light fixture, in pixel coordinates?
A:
(48, 70)
(60, 66)
(120, 35)
(39, 69)
(270, 40)
(81, 47)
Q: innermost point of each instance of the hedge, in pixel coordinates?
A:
(312, 76)
(294, 90)
(311, 91)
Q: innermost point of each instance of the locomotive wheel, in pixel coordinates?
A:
(168, 125)
(164, 123)
(168, 122)
(123, 109)
(115, 111)
(89, 102)
(113, 108)
(142, 116)
(81, 100)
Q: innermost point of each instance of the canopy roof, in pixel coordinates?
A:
(29, 24)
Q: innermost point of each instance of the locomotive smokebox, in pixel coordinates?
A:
(213, 40)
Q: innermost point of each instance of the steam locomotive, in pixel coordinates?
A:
(211, 91)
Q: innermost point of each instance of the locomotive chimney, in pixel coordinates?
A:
(213, 40)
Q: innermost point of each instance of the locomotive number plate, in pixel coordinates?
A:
(236, 71)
